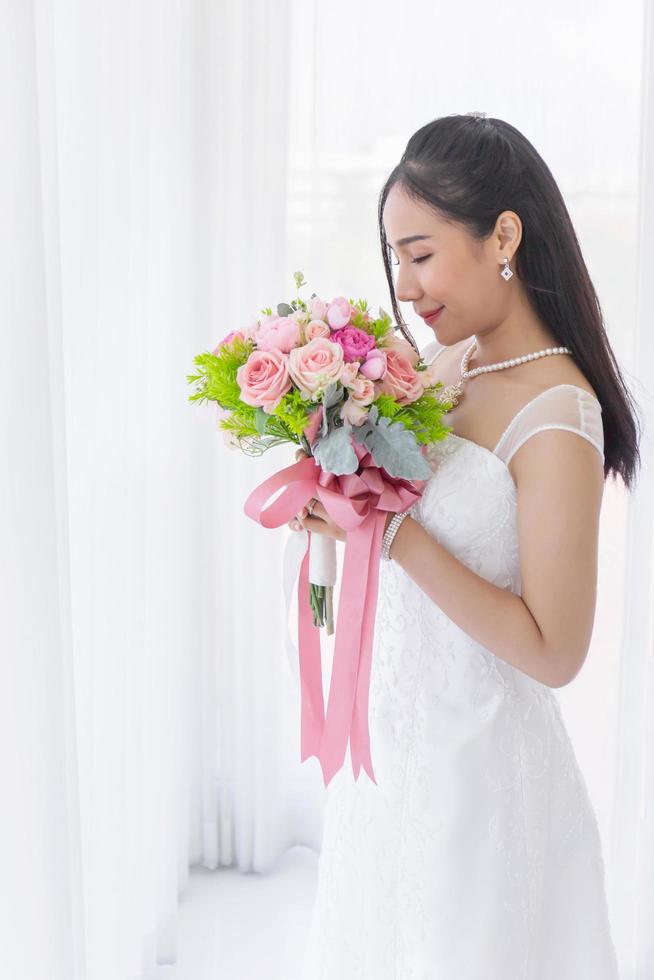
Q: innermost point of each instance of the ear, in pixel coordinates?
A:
(508, 234)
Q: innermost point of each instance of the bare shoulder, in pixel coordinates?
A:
(492, 399)
(527, 379)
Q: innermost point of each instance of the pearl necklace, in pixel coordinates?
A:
(452, 393)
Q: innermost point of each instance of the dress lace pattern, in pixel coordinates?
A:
(477, 856)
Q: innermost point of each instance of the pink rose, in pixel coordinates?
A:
(300, 315)
(317, 308)
(360, 396)
(339, 313)
(230, 336)
(398, 343)
(251, 330)
(374, 366)
(355, 343)
(349, 372)
(315, 365)
(316, 328)
(401, 381)
(280, 333)
(264, 379)
(362, 390)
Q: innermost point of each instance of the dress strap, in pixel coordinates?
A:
(430, 351)
(563, 406)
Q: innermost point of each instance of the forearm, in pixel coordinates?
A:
(496, 618)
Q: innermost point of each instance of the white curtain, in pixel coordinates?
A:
(166, 167)
(143, 200)
(632, 823)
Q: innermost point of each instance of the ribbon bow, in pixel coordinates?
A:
(357, 502)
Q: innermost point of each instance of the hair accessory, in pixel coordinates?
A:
(477, 115)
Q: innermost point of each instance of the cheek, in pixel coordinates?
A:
(447, 281)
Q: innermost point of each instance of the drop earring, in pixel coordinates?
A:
(506, 271)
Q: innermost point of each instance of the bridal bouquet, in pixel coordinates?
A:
(330, 378)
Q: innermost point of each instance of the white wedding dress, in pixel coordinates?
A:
(477, 856)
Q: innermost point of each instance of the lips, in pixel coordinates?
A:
(429, 313)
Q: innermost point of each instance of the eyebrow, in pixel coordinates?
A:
(411, 238)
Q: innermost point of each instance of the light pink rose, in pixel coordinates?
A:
(339, 313)
(361, 395)
(315, 365)
(264, 379)
(228, 339)
(300, 315)
(280, 333)
(374, 366)
(362, 390)
(401, 381)
(349, 372)
(353, 413)
(251, 329)
(317, 308)
(398, 343)
(316, 328)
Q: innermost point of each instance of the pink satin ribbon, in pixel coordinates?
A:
(357, 502)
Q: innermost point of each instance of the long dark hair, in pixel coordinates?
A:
(469, 168)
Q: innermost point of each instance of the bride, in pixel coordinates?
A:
(477, 855)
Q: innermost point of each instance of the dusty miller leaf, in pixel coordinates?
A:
(392, 446)
(335, 452)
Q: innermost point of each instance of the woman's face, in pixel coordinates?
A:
(448, 268)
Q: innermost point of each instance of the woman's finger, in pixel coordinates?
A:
(318, 510)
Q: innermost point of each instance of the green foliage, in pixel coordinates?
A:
(423, 417)
(294, 412)
(241, 423)
(257, 427)
(217, 378)
(382, 326)
(300, 281)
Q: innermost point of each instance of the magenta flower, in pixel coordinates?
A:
(355, 343)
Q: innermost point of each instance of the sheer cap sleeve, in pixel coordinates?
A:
(563, 406)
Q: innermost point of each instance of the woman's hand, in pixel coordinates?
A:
(319, 521)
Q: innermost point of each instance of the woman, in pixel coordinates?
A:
(477, 854)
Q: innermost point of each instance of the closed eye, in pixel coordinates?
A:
(423, 258)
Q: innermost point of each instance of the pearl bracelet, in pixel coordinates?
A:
(390, 533)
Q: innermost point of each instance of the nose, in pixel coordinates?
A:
(406, 289)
